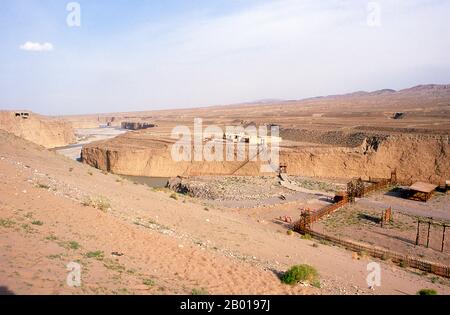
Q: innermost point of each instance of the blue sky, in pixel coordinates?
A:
(144, 55)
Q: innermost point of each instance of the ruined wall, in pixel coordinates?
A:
(425, 158)
(41, 130)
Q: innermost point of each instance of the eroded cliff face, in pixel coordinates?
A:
(425, 158)
(414, 157)
(41, 130)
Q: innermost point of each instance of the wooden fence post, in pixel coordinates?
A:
(418, 231)
(443, 239)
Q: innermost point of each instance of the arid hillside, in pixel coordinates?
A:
(421, 109)
(130, 239)
(45, 131)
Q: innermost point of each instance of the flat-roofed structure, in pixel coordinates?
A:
(422, 191)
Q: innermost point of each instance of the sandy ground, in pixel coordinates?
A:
(171, 245)
(438, 207)
(360, 223)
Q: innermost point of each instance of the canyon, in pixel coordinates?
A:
(46, 131)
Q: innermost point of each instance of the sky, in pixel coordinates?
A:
(148, 54)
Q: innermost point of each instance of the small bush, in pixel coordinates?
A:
(149, 282)
(300, 273)
(74, 245)
(427, 292)
(90, 173)
(174, 196)
(306, 237)
(97, 254)
(37, 223)
(51, 238)
(315, 245)
(199, 292)
(43, 186)
(6, 223)
(289, 232)
(100, 203)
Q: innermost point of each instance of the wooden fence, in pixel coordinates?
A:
(382, 253)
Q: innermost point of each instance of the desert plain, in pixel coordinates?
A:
(82, 189)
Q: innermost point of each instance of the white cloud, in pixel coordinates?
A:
(30, 46)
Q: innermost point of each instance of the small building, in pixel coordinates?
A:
(422, 191)
(234, 137)
(23, 115)
(251, 139)
(136, 125)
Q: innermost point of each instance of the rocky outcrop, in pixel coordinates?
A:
(415, 157)
(45, 131)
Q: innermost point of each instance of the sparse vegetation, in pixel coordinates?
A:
(51, 238)
(174, 196)
(289, 232)
(73, 245)
(6, 223)
(427, 292)
(100, 203)
(306, 236)
(300, 273)
(148, 282)
(114, 265)
(27, 228)
(90, 173)
(37, 222)
(199, 292)
(43, 186)
(97, 255)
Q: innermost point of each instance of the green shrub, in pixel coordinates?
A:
(73, 245)
(6, 223)
(97, 254)
(300, 273)
(148, 282)
(427, 292)
(199, 292)
(306, 237)
(37, 223)
(174, 196)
